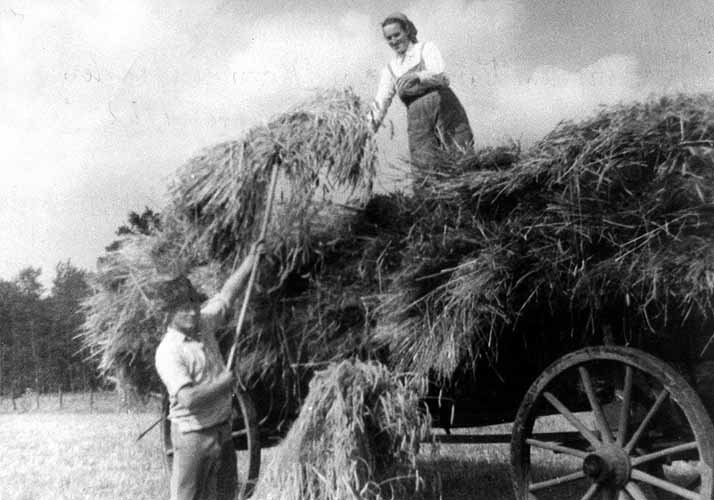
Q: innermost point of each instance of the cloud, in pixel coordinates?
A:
(551, 94)
(530, 108)
(293, 52)
(464, 29)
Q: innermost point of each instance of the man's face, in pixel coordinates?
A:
(186, 319)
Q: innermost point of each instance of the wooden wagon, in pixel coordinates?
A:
(598, 422)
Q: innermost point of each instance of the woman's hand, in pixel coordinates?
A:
(434, 80)
(371, 121)
(405, 81)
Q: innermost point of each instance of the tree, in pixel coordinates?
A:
(38, 348)
(29, 320)
(9, 300)
(147, 222)
(69, 289)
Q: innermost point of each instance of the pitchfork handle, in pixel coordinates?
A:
(256, 261)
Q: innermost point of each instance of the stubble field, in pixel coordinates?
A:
(78, 453)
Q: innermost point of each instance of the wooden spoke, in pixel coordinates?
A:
(625, 408)
(644, 435)
(635, 491)
(557, 481)
(557, 448)
(665, 485)
(591, 491)
(643, 425)
(592, 439)
(241, 432)
(663, 453)
(595, 405)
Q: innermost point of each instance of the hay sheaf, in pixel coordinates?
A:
(323, 147)
(356, 437)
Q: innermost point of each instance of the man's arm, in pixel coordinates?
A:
(236, 281)
(178, 381)
(195, 397)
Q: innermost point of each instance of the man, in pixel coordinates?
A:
(199, 385)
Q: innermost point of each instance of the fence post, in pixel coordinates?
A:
(13, 394)
(59, 395)
(91, 398)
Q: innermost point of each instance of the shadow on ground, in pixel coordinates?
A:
(460, 479)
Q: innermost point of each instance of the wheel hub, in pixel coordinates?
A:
(609, 464)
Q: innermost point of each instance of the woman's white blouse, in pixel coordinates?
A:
(433, 65)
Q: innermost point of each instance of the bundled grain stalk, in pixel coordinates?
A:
(356, 438)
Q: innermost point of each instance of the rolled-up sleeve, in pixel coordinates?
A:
(385, 94)
(172, 371)
(213, 314)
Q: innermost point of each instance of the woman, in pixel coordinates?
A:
(435, 117)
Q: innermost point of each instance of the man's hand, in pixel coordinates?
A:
(226, 378)
(238, 279)
(195, 397)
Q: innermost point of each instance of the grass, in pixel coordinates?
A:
(80, 454)
(86, 456)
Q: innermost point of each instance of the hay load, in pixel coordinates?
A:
(356, 437)
(606, 225)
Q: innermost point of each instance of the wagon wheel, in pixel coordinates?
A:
(641, 432)
(246, 440)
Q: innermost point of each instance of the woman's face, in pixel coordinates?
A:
(396, 37)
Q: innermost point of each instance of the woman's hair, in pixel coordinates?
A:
(404, 22)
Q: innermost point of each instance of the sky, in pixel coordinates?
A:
(101, 101)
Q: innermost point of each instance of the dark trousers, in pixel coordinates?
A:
(204, 464)
(436, 121)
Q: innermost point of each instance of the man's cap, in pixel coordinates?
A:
(176, 292)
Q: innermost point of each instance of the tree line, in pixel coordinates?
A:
(38, 345)
(39, 348)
